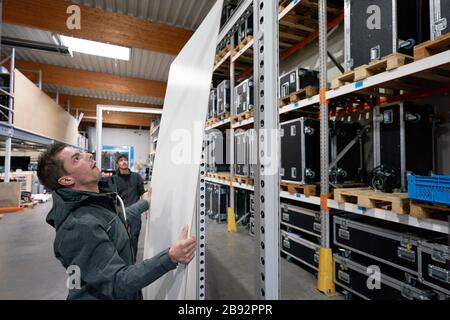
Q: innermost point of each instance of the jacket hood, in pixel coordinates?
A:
(66, 201)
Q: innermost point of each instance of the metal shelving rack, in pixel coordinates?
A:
(154, 132)
(266, 187)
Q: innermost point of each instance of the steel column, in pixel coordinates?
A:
(231, 135)
(267, 184)
(201, 230)
(324, 130)
(8, 159)
(325, 282)
(98, 129)
(8, 149)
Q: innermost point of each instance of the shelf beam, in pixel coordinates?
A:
(435, 61)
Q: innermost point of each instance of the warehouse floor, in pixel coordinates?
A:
(231, 270)
(29, 270)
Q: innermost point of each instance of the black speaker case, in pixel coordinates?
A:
(220, 202)
(302, 219)
(354, 277)
(405, 146)
(434, 265)
(439, 18)
(300, 249)
(241, 154)
(400, 20)
(308, 78)
(390, 244)
(288, 83)
(212, 106)
(244, 96)
(300, 151)
(223, 97)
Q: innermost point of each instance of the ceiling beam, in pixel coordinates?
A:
(97, 25)
(120, 118)
(90, 104)
(93, 80)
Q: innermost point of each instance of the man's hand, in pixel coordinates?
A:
(148, 196)
(183, 250)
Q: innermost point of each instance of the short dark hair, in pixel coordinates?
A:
(50, 169)
(121, 156)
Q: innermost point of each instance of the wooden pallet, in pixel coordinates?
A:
(241, 117)
(432, 47)
(352, 185)
(283, 4)
(367, 198)
(211, 121)
(219, 175)
(285, 101)
(224, 116)
(343, 79)
(423, 210)
(390, 62)
(387, 63)
(222, 53)
(296, 96)
(242, 44)
(301, 94)
(294, 188)
(243, 180)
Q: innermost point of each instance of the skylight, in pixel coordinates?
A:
(95, 48)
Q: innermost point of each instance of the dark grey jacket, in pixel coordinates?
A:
(91, 234)
(130, 187)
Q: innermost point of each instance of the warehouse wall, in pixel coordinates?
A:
(139, 139)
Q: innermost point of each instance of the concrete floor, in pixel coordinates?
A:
(28, 267)
(231, 265)
(29, 270)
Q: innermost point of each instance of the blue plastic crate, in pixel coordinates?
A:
(435, 189)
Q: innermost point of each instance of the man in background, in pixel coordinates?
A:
(130, 187)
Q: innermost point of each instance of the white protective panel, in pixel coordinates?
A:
(177, 162)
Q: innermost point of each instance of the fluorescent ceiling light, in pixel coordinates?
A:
(95, 48)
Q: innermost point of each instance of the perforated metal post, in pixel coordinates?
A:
(325, 282)
(324, 130)
(267, 184)
(201, 230)
(231, 132)
(8, 145)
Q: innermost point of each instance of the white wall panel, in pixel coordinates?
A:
(177, 162)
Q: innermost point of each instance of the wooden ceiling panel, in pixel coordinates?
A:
(97, 25)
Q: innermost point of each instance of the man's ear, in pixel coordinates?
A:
(66, 181)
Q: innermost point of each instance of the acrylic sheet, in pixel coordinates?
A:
(177, 162)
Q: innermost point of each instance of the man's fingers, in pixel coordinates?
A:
(184, 232)
(188, 258)
(189, 241)
(189, 248)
